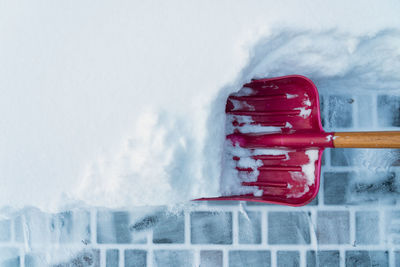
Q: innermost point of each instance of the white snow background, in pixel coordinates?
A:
(121, 103)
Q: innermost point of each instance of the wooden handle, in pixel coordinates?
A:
(367, 139)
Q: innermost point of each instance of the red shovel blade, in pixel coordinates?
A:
(275, 142)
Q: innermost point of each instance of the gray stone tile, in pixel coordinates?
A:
(342, 156)
(211, 228)
(333, 227)
(323, 258)
(170, 229)
(389, 110)
(70, 226)
(336, 186)
(116, 227)
(367, 227)
(383, 188)
(288, 228)
(392, 226)
(180, 258)
(396, 161)
(397, 258)
(112, 258)
(5, 230)
(364, 105)
(35, 260)
(121, 223)
(340, 111)
(254, 258)
(37, 222)
(250, 228)
(210, 258)
(113, 227)
(9, 257)
(288, 258)
(135, 258)
(363, 258)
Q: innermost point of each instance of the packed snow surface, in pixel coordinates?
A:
(122, 103)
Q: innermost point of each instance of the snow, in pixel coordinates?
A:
(248, 127)
(309, 168)
(305, 113)
(307, 173)
(288, 125)
(289, 96)
(115, 103)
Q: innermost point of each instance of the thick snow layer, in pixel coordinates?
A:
(122, 103)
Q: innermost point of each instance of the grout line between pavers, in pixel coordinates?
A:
(149, 257)
(381, 219)
(149, 248)
(264, 227)
(313, 229)
(235, 228)
(321, 192)
(93, 226)
(25, 231)
(121, 256)
(342, 257)
(103, 258)
(391, 258)
(21, 257)
(352, 226)
(196, 257)
(303, 258)
(274, 260)
(149, 238)
(225, 260)
(12, 231)
(187, 227)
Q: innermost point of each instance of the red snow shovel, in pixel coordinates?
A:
(275, 124)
